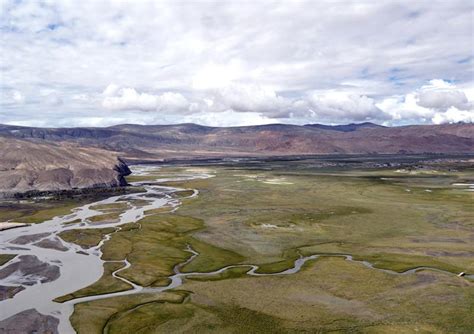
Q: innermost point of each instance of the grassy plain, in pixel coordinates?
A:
(329, 295)
(94, 317)
(86, 238)
(32, 212)
(106, 284)
(270, 214)
(4, 258)
(159, 245)
(373, 215)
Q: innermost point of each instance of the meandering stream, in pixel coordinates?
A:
(79, 268)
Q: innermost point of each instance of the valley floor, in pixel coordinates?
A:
(381, 250)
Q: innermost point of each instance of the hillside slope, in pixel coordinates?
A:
(27, 166)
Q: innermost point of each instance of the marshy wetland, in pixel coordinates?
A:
(288, 246)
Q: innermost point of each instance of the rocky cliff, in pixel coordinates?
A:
(28, 166)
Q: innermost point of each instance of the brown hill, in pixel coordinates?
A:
(27, 166)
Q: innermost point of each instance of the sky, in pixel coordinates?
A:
(228, 63)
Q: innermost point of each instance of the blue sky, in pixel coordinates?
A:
(98, 63)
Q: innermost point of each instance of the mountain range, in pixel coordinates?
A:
(35, 158)
(181, 140)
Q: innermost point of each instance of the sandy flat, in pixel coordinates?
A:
(27, 239)
(7, 225)
(268, 226)
(29, 270)
(54, 243)
(9, 291)
(277, 182)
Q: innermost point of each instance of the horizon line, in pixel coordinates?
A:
(233, 126)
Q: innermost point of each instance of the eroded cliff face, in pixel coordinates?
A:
(26, 166)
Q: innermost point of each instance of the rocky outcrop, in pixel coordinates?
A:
(122, 170)
(26, 166)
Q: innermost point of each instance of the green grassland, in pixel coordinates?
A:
(118, 206)
(4, 258)
(106, 284)
(94, 317)
(36, 212)
(39, 210)
(160, 243)
(86, 238)
(109, 217)
(269, 216)
(351, 212)
(329, 295)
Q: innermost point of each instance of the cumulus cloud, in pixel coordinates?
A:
(111, 90)
(344, 106)
(453, 115)
(438, 102)
(442, 95)
(117, 98)
(228, 118)
(443, 99)
(250, 98)
(324, 105)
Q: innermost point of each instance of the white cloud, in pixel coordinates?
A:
(250, 98)
(288, 60)
(82, 98)
(18, 97)
(336, 105)
(228, 118)
(12, 98)
(453, 115)
(52, 99)
(215, 76)
(442, 95)
(404, 108)
(438, 102)
(111, 90)
(116, 98)
(443, 99)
